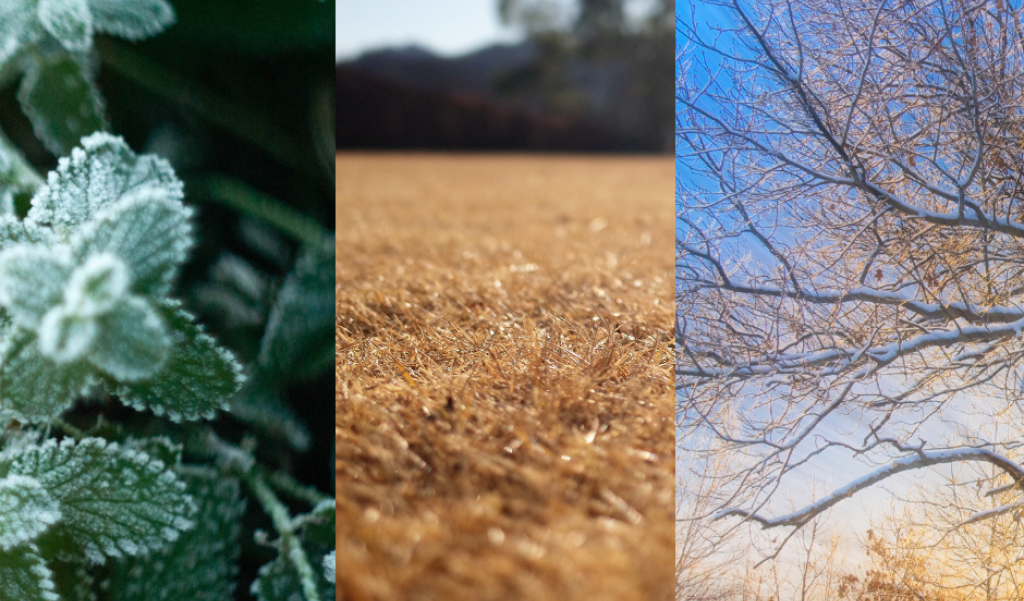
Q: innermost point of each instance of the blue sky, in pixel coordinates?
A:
(448, 27)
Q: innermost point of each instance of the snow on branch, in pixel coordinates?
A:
(919, 460)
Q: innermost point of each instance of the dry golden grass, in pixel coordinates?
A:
(504, 392)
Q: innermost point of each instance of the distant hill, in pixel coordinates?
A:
(373, 112)
(475, 73)
(408, 97)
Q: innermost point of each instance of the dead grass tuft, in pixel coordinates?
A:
(504, 392)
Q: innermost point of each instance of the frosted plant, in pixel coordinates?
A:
(84, 280)
(86, 500)
(144, 501)
(49, 42)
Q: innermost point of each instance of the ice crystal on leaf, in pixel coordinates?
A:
(51, 40)
(68, 21)
(85, 500)
(329, 567)
(113, 500)
(24, 576)
(87, 299)
(199, 566)
(27, 510)
(98, 172)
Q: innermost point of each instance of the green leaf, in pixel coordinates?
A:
(199, 566)
(33, 388)
(97, 286)
(32, 279)
(157, 447)
(69, 21)
(18, 27)
(101, 171)
(279, 580)
(65, 337)
(14, 231)
(330, 567)
(132, 343)
(197, 378)
(300, 329)
(27, 511)
(60, 99)
(25, 577)
(131, 19)
(149, 229)
(114, 501)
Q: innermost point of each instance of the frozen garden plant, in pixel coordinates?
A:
(88, 262)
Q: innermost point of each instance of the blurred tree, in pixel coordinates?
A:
(609, 60)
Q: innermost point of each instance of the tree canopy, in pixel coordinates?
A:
(851, 243)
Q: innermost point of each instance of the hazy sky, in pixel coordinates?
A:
(449, 27)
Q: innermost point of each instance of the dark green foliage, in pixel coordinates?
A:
(123, 474)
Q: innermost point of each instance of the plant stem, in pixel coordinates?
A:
(251, 126)
(72, 431)
(292, 546)
(246, 199)
(293, 487)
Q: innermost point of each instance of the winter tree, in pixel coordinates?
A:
(851, 244)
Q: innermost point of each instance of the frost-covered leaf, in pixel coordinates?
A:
(114, 501)
(97, 286)
(197, 378)
(149, 229)
(34, 388)
(32, 279)
(199, 566)
(300, 330)
(60, 99)
(329, 566)
(26, 511)
(102, 170)
(25, 577)
(65, 337)
(69, 21)
(131, 19)
(18, 26)
(279, 580)
(133, 342)
(14, 231)
(158, 447)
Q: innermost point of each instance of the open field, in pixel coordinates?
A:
(504, 385)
